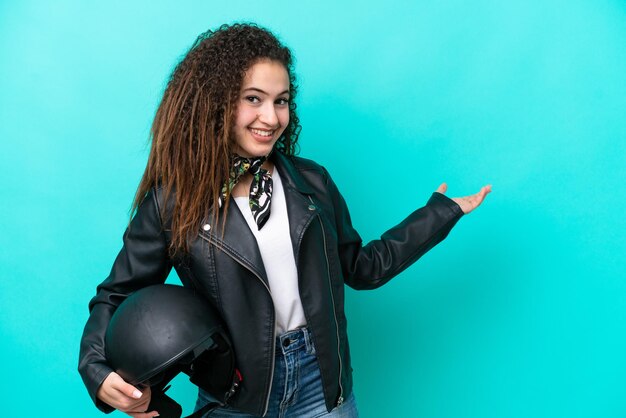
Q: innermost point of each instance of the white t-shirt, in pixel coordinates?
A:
(276, 250)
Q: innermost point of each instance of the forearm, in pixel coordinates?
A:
(92, 364)
(372, 265)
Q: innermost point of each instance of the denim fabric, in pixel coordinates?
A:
(297, 385)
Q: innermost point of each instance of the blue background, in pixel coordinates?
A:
(519, 313)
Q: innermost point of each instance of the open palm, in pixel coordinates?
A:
(467, 203)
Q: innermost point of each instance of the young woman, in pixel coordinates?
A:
(263, 234)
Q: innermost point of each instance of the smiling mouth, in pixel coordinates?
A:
(262, 133)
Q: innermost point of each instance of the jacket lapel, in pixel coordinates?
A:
(300, 209)
(237, 239)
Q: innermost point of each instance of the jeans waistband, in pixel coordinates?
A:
(294, 340)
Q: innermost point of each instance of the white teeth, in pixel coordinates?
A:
(262, 133)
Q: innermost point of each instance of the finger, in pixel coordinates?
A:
(443, 187)
(483, 192)
(129, 397)
(111, 392)
(127, 389)
(477, 199)
(119, 384)
(136, 406)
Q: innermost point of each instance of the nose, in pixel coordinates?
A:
(267, 114)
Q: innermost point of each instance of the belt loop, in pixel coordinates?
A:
(308, 341)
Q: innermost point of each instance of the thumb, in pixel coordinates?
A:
(127, 389)
(442, 188)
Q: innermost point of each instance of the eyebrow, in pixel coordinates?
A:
(264, 92)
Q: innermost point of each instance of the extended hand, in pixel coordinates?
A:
(124, 397)
(468, 203)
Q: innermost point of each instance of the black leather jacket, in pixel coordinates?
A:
(229, 271)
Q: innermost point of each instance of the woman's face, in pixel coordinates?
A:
(263, 108)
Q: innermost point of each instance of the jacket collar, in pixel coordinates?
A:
(289, 173)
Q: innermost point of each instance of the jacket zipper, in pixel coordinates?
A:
(332, 295)
(269, 392)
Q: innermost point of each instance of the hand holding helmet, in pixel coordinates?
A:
(155, 334)
(124, 397)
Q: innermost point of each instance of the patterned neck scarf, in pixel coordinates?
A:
(260, 189)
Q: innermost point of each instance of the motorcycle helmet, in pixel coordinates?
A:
(162, 330)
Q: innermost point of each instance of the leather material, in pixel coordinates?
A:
(226, 266)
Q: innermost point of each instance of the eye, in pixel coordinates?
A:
(253, 99)
(282, 101)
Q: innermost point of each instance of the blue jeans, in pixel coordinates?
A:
(297, 385)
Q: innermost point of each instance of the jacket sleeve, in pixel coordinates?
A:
(142, 261)
(374, 264)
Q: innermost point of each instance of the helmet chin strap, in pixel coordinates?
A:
(169, 408)
(166, 406)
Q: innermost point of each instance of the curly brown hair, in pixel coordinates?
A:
(192, 142)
